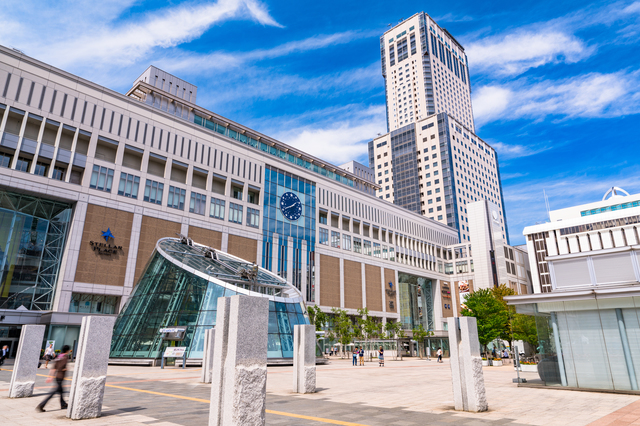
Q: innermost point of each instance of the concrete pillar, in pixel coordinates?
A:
(304, 358)
(239, 375)
(90, 373)
(466, 365)
(26, 366)
(207, 355)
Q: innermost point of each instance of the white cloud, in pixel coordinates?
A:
(509, 151)
(342, 136)
(515, 53)
(593, 95)
(104, 39)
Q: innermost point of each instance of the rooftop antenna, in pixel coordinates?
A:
(546, 203)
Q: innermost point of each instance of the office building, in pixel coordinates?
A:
(426, 72)
(436, 167)
(586, 277)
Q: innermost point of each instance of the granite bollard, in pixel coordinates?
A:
(466, 365)
(207, 355)
(25, 368)
(304, 358)
(239, 374)
(90, 373)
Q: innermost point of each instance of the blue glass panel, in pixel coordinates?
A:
(287, 345)
(272, 306)
(298, 307)
(283, 323)
(207, 318)
(302, 319)
(293, 320)
(291, 307)
(274, 347)
(273, 322)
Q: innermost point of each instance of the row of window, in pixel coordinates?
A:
(102, 179)
(359, 245)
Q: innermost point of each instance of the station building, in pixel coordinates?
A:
(91, 179)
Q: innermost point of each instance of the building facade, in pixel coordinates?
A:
(91, 179)
(426, 72)
(436, 167)
(586, 276)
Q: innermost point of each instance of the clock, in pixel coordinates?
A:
(290, 206)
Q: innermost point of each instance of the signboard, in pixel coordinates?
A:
(174, 352)
(105, 248)
(174, 333)
(445, 293)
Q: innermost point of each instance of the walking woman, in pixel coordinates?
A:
(381, 357)
(49, 354)
(354, 354)
(58, 372)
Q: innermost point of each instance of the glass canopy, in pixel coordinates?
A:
(180, 287)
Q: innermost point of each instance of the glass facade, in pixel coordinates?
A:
(406, 183)
(33, 232)
(416, 301)
(274, 257)
(593, 343)
(181, 286)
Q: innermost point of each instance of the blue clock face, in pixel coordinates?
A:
(290, 206)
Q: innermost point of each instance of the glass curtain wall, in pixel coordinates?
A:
(591, 343)
(416, 301)
(33, 232)
(169, 296)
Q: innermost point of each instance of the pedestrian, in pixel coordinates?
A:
(361, 355)
(4, 353)
(49, 354)
(380, 357)
(58, 372)
(354, 360)
(439, 354)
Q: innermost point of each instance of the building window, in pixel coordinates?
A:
(58, 173)
(376, 249)
(217, 208)
(392, 254)
(93, 303)
(235, 213)
(385, 252)
(323, 218)
(153, 191)
(367, 248)
(128, 185)
(346, 242)
(253, 217)
(335, 239)
(197, 203)
(176, 198)
(324, 236)
(101, 178)
(5, 160)
(253, 197)
(41, 169)
(237, 192)
(357, 245)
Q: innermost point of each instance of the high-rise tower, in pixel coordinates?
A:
(425, 71)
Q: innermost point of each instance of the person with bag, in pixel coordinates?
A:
(4, 352)
(58, 371)
(381, 357)
(49, 354)
(354, 361)
(361, 355)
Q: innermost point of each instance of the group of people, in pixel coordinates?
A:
(358, 352)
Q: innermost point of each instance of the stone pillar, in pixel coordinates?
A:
(90, 373)
(26, 366)
(239, 374)
(304, 358)
(207, 355)
(466, 365)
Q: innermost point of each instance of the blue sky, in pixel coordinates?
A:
(555, 86)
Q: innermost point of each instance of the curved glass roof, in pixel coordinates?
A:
(212, 263)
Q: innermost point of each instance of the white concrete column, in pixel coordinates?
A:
(364, 285)
(342, 282)
(304, 358)
(132, 255)
(25, 368)
(207, 356)
(224, 244)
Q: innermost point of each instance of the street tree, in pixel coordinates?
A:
(490, 313)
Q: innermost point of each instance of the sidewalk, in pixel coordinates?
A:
(404, 393)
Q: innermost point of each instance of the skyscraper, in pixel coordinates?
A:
(425, 71)
(431, 161)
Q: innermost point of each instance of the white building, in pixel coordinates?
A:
(426, 72)
(586, 276)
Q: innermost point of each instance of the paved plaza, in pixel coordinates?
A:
(403, 393)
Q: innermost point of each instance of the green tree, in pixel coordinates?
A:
(500, 292)
(419, 334)
(392, 328)
(524, 328)
(490, 313)
(317, 317)
(342, 327)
